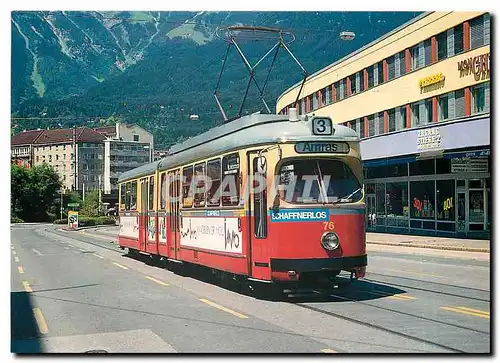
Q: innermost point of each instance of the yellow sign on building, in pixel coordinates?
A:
(428, 81)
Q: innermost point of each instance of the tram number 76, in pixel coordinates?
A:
(328, 226)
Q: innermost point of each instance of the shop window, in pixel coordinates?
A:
(422, 199)
(397, 204)
(442, 47)
(387, 171)
(476, 207)
(461, 183)
(445, 200)
(422, 167)
(476, 183)
(446, 227)
(458, 39)
(443, 105)
(479, 98)
(443, 166)
(380, 195)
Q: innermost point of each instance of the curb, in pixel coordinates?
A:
(434, 247)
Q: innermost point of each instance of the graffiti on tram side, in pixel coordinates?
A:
(129, 226)
(151, 228)
(218, 234)
(162, 230)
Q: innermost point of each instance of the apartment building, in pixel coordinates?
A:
(419, 99)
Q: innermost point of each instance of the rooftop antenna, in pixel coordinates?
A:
(232, 34)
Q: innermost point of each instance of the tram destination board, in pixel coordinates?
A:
(321, 147)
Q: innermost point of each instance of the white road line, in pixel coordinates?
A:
(37, 252)
(16, 259)
(96, 255)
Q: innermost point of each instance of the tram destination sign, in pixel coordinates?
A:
(321, 147)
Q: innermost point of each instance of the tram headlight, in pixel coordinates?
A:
(330, 241)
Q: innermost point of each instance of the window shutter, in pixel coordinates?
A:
(371, 125)
(358, 82)
(402, 63)
(375, 74)
(450, 42)
(421, 113)
(476, 32)
(391, 68)
(341, 86)
(451, 105)
(399, 118)
(397, 66)
(486, 28)
(459, 103)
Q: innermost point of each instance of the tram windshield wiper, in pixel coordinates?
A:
(345, 199)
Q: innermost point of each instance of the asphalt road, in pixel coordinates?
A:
(74, 292)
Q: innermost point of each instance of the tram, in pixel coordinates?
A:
(264, 198)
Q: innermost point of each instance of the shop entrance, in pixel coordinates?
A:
(472, 205)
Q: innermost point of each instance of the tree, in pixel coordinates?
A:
(33, 192)
(91, 205)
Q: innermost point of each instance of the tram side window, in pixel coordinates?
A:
(122, 196)
(133, 196)
(187, 190)
(163, 191)
(230, 180)
(151, 192)
(213, 173)
(200, 175)
(128, 188)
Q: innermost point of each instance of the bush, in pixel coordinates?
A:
(105, 220)
(84, 221)
(60, 221)
(15, 219)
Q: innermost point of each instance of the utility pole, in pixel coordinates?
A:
(99, 211)
(75, 179)
(61, 192)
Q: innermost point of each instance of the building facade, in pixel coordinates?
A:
(85, 159)
(419, 98)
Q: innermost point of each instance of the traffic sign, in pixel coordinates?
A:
(73, 204)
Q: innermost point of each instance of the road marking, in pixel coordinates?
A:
(468, 311)
(14, 253)
(27, 286)
(328, 350)
(96, 255)
(96, 236)
(120, 266)
(157, 281)
(20, 269)
(37, 252)
(16, 259)
(69, 244)
(12, 247)
(217, 306)
(83, 249)
(40, 321)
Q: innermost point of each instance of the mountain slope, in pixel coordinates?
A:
(157, 68)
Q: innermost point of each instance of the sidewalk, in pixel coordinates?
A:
(439, 243)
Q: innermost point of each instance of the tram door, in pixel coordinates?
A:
(143, 215)
(173, 236)
(258, 244)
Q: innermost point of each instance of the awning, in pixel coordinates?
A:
(389, 161)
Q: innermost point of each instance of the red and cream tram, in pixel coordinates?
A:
(263, 198)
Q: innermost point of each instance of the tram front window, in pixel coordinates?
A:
(318, 181)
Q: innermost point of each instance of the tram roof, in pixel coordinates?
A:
(251, 130)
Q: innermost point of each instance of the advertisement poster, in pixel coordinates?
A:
(73, 219)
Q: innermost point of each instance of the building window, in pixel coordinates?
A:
(136, 137)
(352, 79)
(428, 111)
(477, 38)
(353, 124)
(479, 98)
(57, 156)
(380, 67)
(371, 81)
(362, 127)
(391, 68)
(343, 88)
(414, 57)
(442, 46)
(422, 199)
(392, 120)
(315, 101)
(458, 38)
(402, 63)
(427, 51)
(323, 97)
(380, 117)
(328, 95)
(459, 103)
(337, 90)
(422, 167)
(371, 125)
(403, 117)
(415, 114)
(37, 159)
(443, 107)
